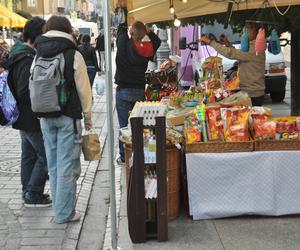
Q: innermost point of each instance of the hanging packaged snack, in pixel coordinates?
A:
(214, 124)
(233, 84)
(236, 124)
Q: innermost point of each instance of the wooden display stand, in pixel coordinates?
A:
(141, 229)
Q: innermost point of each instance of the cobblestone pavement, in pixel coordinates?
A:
(33, 229)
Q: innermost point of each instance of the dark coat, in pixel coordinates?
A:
(131, 66)
(100, 43)
(18, 64)
(89, 55)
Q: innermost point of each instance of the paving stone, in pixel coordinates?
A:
(41, 242)
(52, 248)
(32, 226)
(54, 233)
(33, 233)
(3, 227)
(7, 191)
(16, 201)
(38, 219)
(37, 212)
(30, 248)
(69, 244)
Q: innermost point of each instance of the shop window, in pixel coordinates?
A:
(31, 3)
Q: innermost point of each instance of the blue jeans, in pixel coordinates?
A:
(63, 149)
(92, 74)
(33, 162)
(125, 100)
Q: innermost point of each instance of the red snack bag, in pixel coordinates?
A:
(214, 124)
(236, 125)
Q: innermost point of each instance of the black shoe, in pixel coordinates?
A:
(120, 161)
(37, 200)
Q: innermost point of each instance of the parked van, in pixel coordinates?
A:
(275, 75)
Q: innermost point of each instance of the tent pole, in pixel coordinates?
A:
(110, 126)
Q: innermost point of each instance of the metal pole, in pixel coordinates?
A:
(43, 8)
(110, 126)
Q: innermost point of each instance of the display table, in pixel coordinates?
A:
(231, 184)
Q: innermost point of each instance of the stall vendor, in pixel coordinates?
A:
(251, 64)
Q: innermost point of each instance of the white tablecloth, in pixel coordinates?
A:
(230, 184)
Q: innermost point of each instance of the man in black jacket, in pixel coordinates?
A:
(133, 55)
(100, 47)
(90, 58)
(33, 160)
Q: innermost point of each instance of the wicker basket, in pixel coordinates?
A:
(219, 147)
(173, 205)
(277, 145)
(173, 177)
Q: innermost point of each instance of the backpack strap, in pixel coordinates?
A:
(69, 56)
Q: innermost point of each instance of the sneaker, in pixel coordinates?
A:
(120, 161)
(76, 217)
(37, 200)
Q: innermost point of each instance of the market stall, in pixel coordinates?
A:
(239, 159)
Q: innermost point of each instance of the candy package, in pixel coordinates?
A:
(232, 84)
(236, 124)
(287, 127)
(264, 129)
(261, 126)
(214, 124)
(192, 130)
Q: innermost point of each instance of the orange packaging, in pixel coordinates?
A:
(214, 124)
(261, 126)
(264, 129)
(232, 84)
(287, 127)
(236, 125)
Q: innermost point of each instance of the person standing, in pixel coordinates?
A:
(34, 170)
(62, 134)
(90, 58)
(133, 55)
(101, 51)
(251, 64)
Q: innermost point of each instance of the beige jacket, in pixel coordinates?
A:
(252, 67)
(81, 78)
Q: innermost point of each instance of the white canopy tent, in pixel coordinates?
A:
(158, 10)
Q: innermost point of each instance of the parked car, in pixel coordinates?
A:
(275, 75)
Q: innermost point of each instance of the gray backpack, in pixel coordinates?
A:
(47, 86)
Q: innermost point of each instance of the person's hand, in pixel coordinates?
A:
(205, 39)
(122, 3)
(224, 40)
(88, 125)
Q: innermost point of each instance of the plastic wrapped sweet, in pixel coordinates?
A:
(287, 127)
(260, 42)
(245, 40)
(261, 126)
(236, 124)
(214, 124)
